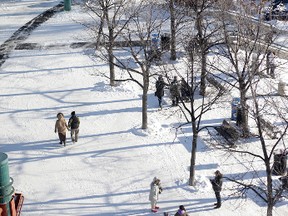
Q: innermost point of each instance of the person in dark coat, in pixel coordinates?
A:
(73, 124)
(160, 85)
(175, 91)
(181, 211)
(284, 182)
(217, 187)
(185, 90)
(239, 119)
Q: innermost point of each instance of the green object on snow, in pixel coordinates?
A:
(67, 5)
(6, 189)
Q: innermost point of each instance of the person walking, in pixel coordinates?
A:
(181, 211)
(155, 190)
(61, 127)
(73, 124)
(175, 91)
(271, 66)
(217, 187)
(160, 85)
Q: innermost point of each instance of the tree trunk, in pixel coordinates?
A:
(193, 160)
(144, 100)
(173, 30)
(201, 42)
(193, 153)
(100, 32)
(244, 109)
(112, 68)
(270, 197)
(203, 73)
(111, 57)
(110, 45)
(144, 110)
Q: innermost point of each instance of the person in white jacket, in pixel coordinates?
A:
(155, 190)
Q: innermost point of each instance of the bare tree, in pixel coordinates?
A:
(144, 20)
(257, 111)
(110, 13)
(197, 109)
(243, 64)
(199, 46)
(198, 104)
(262, 106)
(243, 54)
(179, 17)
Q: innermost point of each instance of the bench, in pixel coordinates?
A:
(216, 84)
(228, 132)
(271, 130)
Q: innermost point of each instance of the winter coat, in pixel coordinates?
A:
(271, 58)
(181, 213)
(154, 192)
(175, 89)
(217, 183)
(160, 85)
(185, 88)
(74, 122)
(61, 125)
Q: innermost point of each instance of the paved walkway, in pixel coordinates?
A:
(23, 32)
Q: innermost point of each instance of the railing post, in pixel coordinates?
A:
(6, 189)
(67, 5)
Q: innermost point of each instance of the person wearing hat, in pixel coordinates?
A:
(73, 124)
(155, 190)
(175, 91)
(159, 93)
(181, 211)
(61, 126)
(217, 187)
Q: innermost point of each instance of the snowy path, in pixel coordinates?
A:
(58, 180)
(109, 170)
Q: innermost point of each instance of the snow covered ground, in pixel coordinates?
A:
(109, 170)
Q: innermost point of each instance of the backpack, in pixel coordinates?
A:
(75, 122)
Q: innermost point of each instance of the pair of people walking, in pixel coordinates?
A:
(61, 127)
